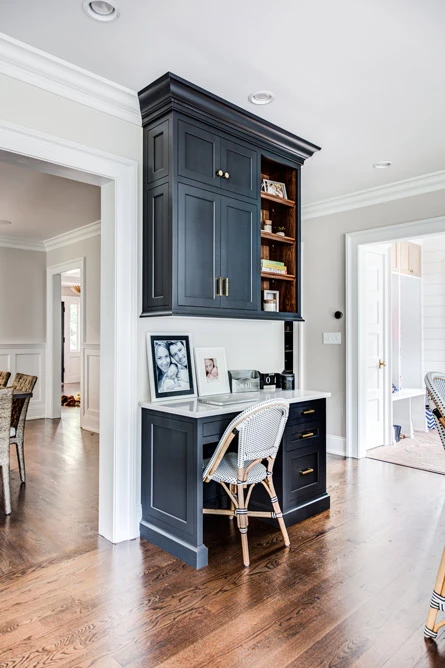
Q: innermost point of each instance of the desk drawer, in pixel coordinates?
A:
(301, 434)
(212, 430)
(305, 472)
(310, 410)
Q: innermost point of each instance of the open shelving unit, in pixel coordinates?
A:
(283, 213)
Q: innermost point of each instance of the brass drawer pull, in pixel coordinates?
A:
(312, 410)
(307, 435)
(306, 471)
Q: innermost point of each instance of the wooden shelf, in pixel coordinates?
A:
(278, 200)
(277, 237)
(271, 276)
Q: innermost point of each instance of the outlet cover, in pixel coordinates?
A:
(331, 337)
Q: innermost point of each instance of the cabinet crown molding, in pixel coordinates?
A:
(172, 93)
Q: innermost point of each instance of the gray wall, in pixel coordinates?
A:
(324, 289)
(22, 296)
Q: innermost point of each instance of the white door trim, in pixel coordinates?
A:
(354, 383)
(118, 479)
(53, 328)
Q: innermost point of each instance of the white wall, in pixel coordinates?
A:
(90, 250)
(22, 296)
(434, 304)
(249, 344)
(324, 289)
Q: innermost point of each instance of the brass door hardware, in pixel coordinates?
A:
(381, 364)
(307, 434)
(226, 175)
(308, 412)
(306, 471)
(226, 287)
(219, 287)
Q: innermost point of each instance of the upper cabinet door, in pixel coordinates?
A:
(198, 154)
(240, 255)
(240, 169)
(198, 240)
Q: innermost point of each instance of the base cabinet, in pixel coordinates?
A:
(173, 449)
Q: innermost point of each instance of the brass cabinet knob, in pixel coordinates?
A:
(220, 172)
(226, 175)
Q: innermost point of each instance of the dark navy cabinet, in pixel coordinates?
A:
(203, 159)
(172, 491)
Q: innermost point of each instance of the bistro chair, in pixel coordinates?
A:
(4, 377)
(259, 430)
(5, 423)
(21, 383)
(435, 385)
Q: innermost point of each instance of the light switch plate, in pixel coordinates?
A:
(331, 337)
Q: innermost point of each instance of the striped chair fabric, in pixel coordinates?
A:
(435, 385)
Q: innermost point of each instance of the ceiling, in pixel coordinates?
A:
(41, 206)
(362, 79)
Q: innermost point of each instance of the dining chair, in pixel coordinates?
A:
(5, 423)
(4, 377)
(259, 430)
(21, 383)
(435, 385)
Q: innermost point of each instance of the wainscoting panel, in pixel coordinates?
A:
(30, 359)
(89, 404)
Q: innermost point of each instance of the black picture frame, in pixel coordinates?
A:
(171, 367)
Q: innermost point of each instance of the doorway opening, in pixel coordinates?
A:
(367, 372)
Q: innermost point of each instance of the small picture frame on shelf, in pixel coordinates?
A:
(271, 300)
(211, 371)
(274, 188)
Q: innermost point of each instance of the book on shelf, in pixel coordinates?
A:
(274, 270)
(272, 263)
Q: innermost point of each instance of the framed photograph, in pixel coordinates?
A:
(274, 295)
(170, 366)
(211, 371)
(274, 188)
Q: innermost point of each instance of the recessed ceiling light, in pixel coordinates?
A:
(383, 164)
(261, 97)
(100, 10)
(5, 222)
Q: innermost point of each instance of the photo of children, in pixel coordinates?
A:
(211, 369)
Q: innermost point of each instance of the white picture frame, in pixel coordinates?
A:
(171, 371)
(211, 371)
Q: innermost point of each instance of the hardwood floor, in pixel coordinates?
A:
(352, 590)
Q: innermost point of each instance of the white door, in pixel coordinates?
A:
(72, 340)
(375, 323)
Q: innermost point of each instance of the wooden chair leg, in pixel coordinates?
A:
(437, 602)
(241, 513)
(232, 505)
(6, 488)
(21, 461)
(277, 510)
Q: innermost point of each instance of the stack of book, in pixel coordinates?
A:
(273, 267)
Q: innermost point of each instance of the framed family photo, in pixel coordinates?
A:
(211, 371)
(170, 366)
(274, 188)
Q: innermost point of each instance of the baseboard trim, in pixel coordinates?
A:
(336, 445)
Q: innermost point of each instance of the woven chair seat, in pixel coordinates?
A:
(227, 470)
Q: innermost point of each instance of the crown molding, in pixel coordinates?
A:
(418, 185)
(80, 234)
(22, 244)
(24, 62)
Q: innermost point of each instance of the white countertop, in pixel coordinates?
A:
(408, 393)
(193, 408)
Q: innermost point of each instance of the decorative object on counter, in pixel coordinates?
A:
(272, 299)
(281, 232)
(246, 380)
(170, 364)
(211, 371)
(268, 381)
(274, 188)
(287, 380)
(267, 225)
